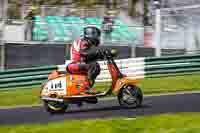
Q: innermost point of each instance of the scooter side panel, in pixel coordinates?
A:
(55, 86)
(76, 84)
(66, 85)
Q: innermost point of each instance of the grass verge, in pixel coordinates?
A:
(30, 95)
(166, 123)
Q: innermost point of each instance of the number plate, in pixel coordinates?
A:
(57, 85)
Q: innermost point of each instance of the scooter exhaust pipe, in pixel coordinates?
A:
(52, 99)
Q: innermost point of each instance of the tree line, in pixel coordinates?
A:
(15, 5)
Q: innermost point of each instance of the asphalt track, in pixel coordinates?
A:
(104, 109)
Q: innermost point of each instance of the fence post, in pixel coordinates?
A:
(2, 39)
(133, 55)
(2, 59)
(67, 52)
(157, 28)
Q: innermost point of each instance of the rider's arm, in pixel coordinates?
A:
(91, 54)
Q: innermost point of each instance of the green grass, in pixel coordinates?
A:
(171, 84)
(21, 96)
(30, 95)
(166, 123)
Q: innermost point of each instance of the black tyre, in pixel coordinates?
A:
(55, 107)
(130, 96)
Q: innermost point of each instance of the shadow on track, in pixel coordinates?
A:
(100, 109)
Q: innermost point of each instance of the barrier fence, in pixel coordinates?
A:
(136, 68)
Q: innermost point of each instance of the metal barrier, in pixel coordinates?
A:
(137, 68)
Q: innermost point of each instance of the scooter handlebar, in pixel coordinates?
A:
(110, 52)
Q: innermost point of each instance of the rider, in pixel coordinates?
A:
(84, 55)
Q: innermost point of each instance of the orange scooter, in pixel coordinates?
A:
(61, 90)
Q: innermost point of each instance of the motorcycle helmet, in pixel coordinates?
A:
(92, 34)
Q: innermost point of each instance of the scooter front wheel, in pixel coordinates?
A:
(130, 96)
(55, 107)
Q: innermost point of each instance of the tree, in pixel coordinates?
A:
(131, 7)
(146, 11)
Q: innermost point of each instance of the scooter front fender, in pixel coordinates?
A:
(124, 81)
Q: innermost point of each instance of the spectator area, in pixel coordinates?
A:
(59, 29)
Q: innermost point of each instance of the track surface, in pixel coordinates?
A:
(104, 109)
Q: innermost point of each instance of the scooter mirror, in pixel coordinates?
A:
(114, 52)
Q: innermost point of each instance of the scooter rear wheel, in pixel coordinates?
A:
(130, 96)
(55, 107)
